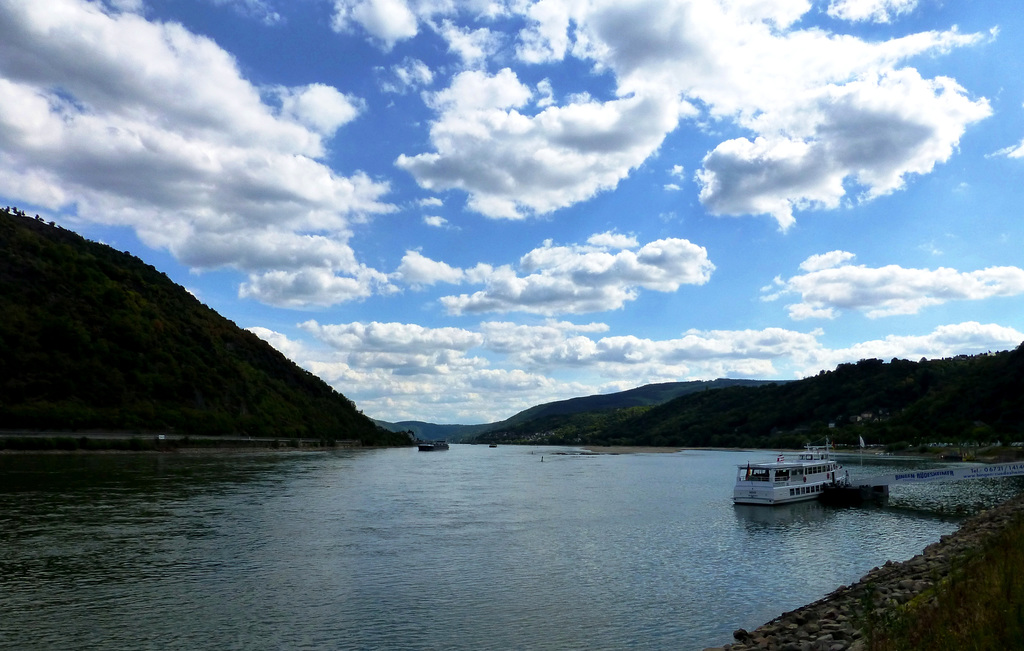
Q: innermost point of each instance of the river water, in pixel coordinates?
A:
(471, 548)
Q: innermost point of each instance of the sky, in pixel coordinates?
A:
(452, 211)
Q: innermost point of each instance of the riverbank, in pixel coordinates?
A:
(939, 599)
(55, 442)
(629, 449)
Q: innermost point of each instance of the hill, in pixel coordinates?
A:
(644, 396)
(538, 418)
(92, 338)
(979, 398)
(434, 431)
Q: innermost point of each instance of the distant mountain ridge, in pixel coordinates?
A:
(643, 396)
(964, 398)
(93, 338)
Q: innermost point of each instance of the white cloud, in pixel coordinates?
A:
(154, 127)
(613, 240)
(259, 9)
(387, 21)
(314, 286)
(546, 37)
(319, 107)
(393, 338)
(435, 221)
(879, 11)
(828, 113)
(595, 277)
(875, 132)
(472, 46)
(546, 93)
(406, 370)
(826, 260)
(968, 338)
(1016, 151)
(399, 371)
(830, 287)
(408, 75)
(418, 270)
(513, 165)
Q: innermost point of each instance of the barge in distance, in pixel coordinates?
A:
(430, 446)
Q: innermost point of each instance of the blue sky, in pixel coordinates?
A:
(452, 211)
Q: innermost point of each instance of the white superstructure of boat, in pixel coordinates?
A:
(790, 478)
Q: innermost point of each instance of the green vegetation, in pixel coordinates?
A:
(979, 606)
(899, 404)
(570, 417)
(92, 338)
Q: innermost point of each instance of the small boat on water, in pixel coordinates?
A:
(803, 477)
(430, 446)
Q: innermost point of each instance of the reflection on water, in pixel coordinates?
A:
(784, 515)
(473, 548)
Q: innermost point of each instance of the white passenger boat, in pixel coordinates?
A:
(795, 478)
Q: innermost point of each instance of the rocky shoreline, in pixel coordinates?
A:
(835, 622)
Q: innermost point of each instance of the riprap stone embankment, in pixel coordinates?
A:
(835, 623)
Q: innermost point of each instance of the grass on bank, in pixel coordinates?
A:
(978, 607)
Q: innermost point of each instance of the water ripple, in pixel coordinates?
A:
(474, 548)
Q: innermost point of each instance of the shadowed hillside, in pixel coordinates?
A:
(979, 398)
(551, 414)
(92, 338)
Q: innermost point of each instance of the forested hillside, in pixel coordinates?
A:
(979, 398)
(579, 412)
(92, 338)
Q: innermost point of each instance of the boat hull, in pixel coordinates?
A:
(433, 446)
(752, 493)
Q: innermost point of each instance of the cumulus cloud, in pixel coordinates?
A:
(393, 338)
(418, 270)
(829, 114)
(320, 107)
(830, 286)
(601, 275)
(387, 21)
(514, 165)
(874, 132)
(472, 46)
(314, 286)
(157, 130)
(412, 366)
(968, 338)
(826, 260)
(401, 371)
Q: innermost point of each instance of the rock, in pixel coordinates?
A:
(831, 624)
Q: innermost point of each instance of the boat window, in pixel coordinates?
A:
(758, 474)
